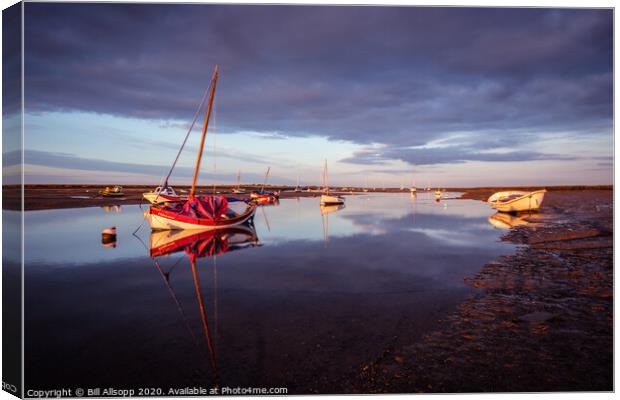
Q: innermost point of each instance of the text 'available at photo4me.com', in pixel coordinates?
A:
(123, 392)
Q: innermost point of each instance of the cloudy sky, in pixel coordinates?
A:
(448, 96)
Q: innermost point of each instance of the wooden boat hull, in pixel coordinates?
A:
(520, 201)
(263, 198)
(326, 199)
(154, 198)
(160, 218)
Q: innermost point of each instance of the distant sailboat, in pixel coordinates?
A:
(238, 189)
(261, 196)
(297, 187)
(413, 190)
(327, 198)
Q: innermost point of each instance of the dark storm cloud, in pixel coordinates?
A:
(391, 75)
(443, 155)
(71, 161)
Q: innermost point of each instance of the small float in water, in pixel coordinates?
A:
(108, 237)
(114, 191)
(515, 201)
(437, 194)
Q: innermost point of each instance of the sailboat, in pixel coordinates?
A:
(297, 187)
(413, 190)
(327, 198)
(238, 189)
(263, 197)
(206, 212)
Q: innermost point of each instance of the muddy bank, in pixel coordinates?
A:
(45, 197)
(541, 321)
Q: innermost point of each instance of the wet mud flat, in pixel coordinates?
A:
(542, 319)
(47, 197)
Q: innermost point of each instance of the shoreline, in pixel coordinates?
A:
(46, 197)
(544, 314)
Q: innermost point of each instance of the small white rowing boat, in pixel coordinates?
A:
(162, 195)
(514, 201)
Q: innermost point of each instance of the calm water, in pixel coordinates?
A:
(299, 303)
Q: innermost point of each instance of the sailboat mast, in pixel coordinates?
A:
(265, 181)
(204, 129)
(326, 182)
(238, 179)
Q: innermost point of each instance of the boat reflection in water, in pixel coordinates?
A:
(325, 210)
(203, 243)
(116, 208)
(197, 245)
(502, 220)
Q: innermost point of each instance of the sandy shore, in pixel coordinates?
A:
(542, 321)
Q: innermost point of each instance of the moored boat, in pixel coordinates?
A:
(237, 189)
(163, 194)
(204, 212)
(413, 190)
(515, 200)
(261, 196)
(114, 191)
(326, 198)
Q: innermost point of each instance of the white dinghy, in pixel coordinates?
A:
(515, 201)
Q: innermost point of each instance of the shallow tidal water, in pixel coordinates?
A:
(299, 302)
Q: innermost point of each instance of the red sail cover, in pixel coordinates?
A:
(206, 207)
